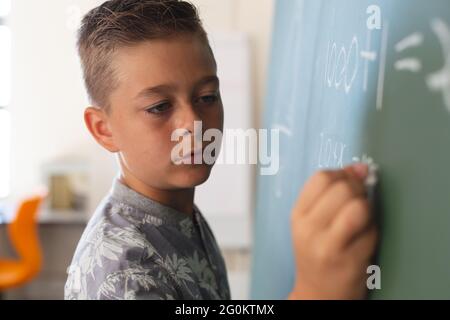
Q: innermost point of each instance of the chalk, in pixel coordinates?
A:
(371, 181)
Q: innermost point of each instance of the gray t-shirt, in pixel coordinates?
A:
(136, 248)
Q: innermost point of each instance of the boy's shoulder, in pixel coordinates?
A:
(113, 229)
(113, 226)
(112, 247)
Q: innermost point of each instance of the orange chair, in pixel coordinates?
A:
(23, 235)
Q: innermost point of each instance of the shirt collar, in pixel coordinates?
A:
(146, 206)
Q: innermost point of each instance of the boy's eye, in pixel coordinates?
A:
(159, 109)
(209, 99)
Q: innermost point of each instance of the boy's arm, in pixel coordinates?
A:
(334, 237)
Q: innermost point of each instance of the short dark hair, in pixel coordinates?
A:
(119, 23)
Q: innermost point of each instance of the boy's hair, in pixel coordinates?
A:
(119, 23)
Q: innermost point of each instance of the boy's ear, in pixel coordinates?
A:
(98, 125)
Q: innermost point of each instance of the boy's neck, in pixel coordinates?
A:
(181, 200)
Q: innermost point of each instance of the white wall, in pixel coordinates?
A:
(48, 96)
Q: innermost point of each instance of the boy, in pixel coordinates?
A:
(149, 71)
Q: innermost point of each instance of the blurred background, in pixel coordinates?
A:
(43, 140)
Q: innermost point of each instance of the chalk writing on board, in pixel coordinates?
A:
(382, 66)
(374, 22)
(369, 56)
(411, 41)
(408, 64)
(342, 65)
(440, 80)
(343, 62)
(411, 64)
(332, 152)
(283, 129)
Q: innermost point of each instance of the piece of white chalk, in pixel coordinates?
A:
(371, 182)
(372, 177)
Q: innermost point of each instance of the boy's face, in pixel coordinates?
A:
(164, 85)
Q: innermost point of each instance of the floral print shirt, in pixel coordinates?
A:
(136, 248)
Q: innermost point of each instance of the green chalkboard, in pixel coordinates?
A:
(360, 80)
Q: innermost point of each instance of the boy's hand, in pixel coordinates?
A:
(334, 236)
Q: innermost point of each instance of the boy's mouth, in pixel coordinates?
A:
(191, 156)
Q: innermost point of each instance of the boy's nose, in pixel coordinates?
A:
(187, 118)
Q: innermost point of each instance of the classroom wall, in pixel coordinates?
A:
(48, 96)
